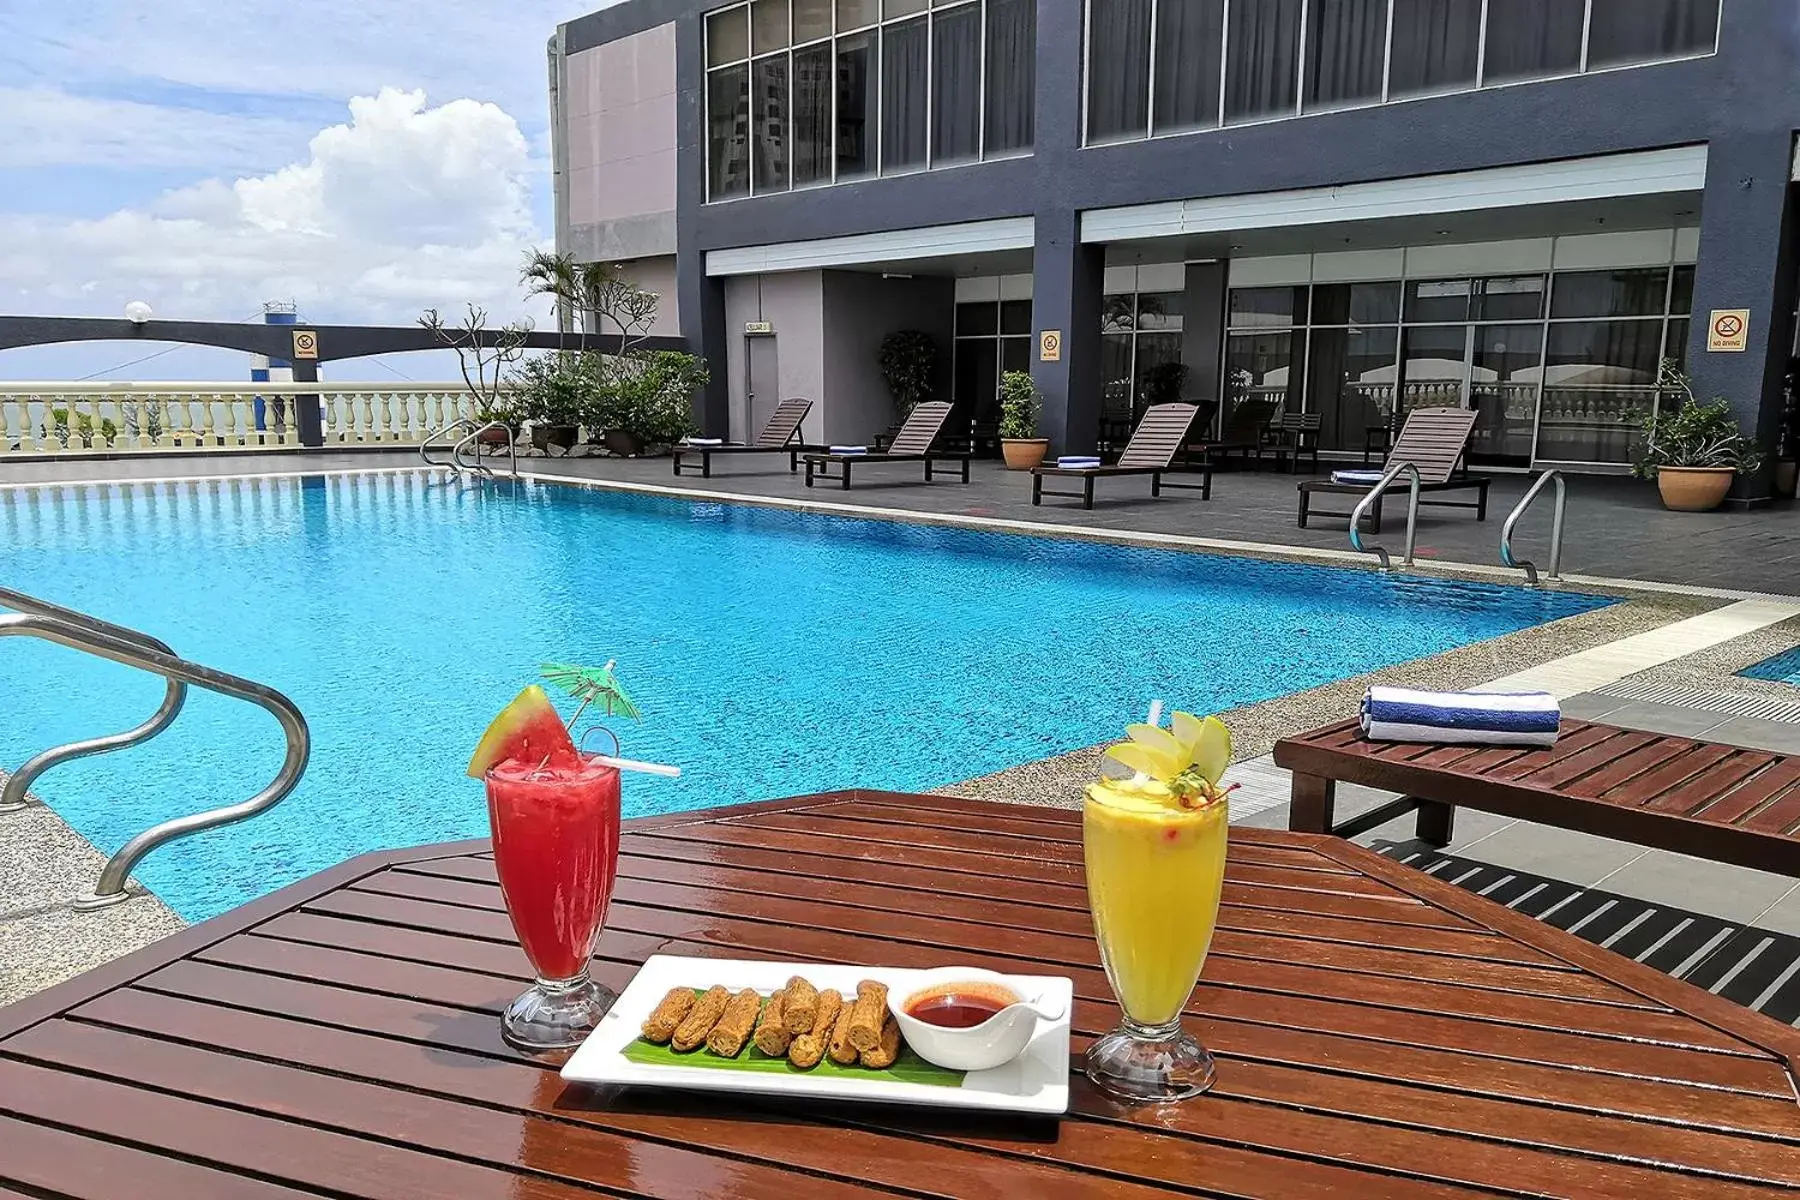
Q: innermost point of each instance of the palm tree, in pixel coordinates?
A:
(557, 276)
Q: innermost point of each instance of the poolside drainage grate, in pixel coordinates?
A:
(1686, 695)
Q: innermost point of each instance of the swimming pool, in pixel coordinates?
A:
(1782, 668)
(772, 652)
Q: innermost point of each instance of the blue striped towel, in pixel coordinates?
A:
(1460, 718)
(849, 449)
(1360, 477)
(1078, 461)
(693, 441)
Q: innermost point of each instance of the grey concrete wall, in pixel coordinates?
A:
(619, 133)
(793, 303)
(860, 310)
(1203, 331)
(658, 275)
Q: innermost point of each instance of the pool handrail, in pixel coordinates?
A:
(18, 784)
(86, 635)
(1560, 508)
(1374, 498)
(437, 434)
(477, 466)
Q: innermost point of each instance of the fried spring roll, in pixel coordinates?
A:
(802, 1005)
(733, 1030)
(772, 1036)
(838, 1044)
(868, 1014)
(700, 1019)
(885, 1051)
(806, 1050)
(660, 1026)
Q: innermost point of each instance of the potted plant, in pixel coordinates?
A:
(1162, 383)
(1693, 451)
(648, 401)
(553, 392)
(1020, 406)
(908, 360)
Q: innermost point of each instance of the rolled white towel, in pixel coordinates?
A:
(849, 449)
(694, 441)
(1367, 478)
(1078, 461)
(1461, 718)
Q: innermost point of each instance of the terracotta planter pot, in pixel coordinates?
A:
(625, 445)
(1022, 454)
(1694, 489)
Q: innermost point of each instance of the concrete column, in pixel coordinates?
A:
(1066, 292)
(700, 298)
(1748, 243)
(307, 421)
(1203, 332)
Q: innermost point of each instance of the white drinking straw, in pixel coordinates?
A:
(1155, 717)
(631, 764)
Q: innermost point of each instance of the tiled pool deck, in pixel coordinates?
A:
(1734, 930)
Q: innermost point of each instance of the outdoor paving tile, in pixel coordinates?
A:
(1783, 916)
(1730, 893)
(1576, 858)
(1590, 706)
(1664, 718)
(1782, 737)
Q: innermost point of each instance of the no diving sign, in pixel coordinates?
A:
(1729, 331)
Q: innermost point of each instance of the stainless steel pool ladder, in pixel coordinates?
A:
(472, 432)
(37, 618)
(1556, 529)
(1374, 497)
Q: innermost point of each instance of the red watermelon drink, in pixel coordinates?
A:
(555, 820)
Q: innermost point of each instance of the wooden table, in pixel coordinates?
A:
(1379, 1033)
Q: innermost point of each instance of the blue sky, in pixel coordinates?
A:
(366, 160)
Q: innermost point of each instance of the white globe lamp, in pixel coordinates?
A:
(137, 312)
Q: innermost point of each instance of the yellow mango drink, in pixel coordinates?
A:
(1154, 848)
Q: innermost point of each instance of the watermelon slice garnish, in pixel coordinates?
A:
(527, 730)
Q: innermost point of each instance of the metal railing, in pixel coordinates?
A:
(1371, 500)
(65, 627)
(474, 439)
(1556, 529)
(438, 435)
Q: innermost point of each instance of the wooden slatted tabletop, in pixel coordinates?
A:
(1379, 1033)
(1708, 799)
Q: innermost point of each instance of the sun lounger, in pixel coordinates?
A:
(1243, 434)
(780, 436)
(913, 444)
(1152, 450)
(1434, 440)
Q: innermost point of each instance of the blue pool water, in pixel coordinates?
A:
(1782, 668)
(773, 653)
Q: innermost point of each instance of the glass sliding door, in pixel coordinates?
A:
(1503, 391)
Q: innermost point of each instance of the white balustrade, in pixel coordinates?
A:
(142, 418)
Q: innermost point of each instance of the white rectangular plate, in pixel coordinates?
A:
(1035, 1082)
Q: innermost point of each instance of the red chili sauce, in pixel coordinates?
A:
(959, 1005)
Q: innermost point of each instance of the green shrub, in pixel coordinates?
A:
(555, 389)
(1020, 405)
(650, 394)
(908, 361)
(1693, 434)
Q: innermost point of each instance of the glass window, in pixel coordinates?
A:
(1160, 375)
(956, 86)
(1281, 306)
(905, 54)
(1509, 298)
(1015, 317)
(1262, 58)
(1627, 31)
(1160, 310)
(1355, 303)
(1118, 311)
(1681, 296)
(902, 8)
(1503, 389)
(1015, 354)
(1188, 34)
(1591, 353)
(1599, 384)
(812, 20)
(857, 98)
(727, 36)
(769, 25)
(1350, 380)
(980, 318)
(977, 375)
(769, 97)
(1436, 46)
(1529, 38)
(1632, 292)
(854, 14)
(728, 134)
(1011, 74)
(1118, 100)
(812, 115)
(1675, 346)
(1438, 300)
(1346, 51)
(1264, 369)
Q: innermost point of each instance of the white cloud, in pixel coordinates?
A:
(402, 207)
(49, 127)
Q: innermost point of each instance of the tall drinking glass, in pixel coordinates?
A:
(1154, 872)
(556, 850)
